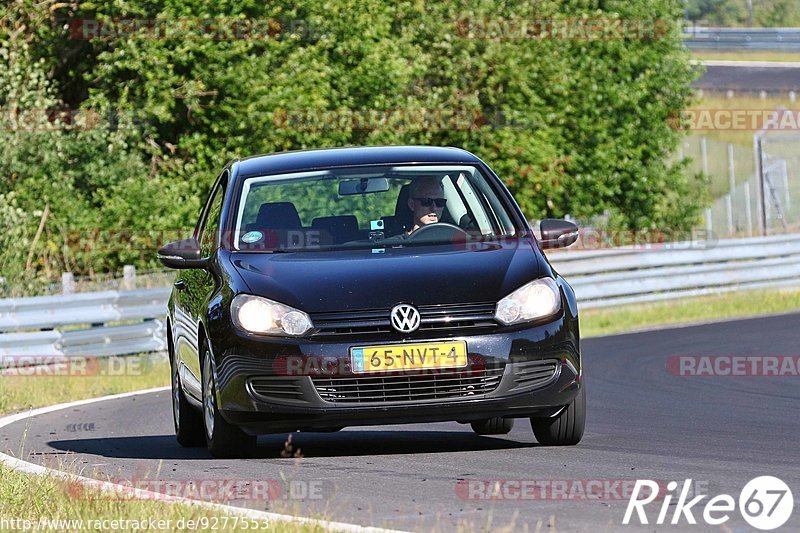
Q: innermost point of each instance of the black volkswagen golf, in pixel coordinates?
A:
(364, 286)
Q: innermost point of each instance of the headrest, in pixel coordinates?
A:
(278, 215)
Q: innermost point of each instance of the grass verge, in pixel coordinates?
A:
(739, 102)
(744, 55)
(42, 387)
(597, 322)
(49, 504)
(29, 503)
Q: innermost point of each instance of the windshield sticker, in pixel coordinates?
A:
(378, 250)
(252, 236)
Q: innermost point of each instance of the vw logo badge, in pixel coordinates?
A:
(405, 318)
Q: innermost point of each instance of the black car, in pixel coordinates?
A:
(364, 286)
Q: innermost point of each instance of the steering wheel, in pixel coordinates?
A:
(436, 231)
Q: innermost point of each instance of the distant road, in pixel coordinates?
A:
(746, 75)
(750, 76)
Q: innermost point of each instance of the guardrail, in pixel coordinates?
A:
(114, 323)
(30, 327)
(706, 38)
(49, 312)
(603, 278)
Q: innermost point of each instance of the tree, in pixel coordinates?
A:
(574, 122)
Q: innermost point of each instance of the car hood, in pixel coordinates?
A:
(325, 281)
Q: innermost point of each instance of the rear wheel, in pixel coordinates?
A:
(224, 440)
(566, 429)
(188, 421)
(493, 426)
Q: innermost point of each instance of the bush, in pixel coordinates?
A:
(573, 126)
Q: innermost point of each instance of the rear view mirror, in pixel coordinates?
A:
(558, 233)
(363, 186)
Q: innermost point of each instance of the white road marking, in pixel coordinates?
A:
(108, 487)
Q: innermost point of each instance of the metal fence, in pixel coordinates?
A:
(83, 325)
(700, 37)
(756, 189)
(781, 179)
(128, 322)
(605, 278)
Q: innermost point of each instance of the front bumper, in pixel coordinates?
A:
(296, 397)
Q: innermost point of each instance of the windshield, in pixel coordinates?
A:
(369, 207)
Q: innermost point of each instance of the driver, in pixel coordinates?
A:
(426, 201)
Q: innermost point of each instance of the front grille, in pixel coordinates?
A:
(432, 318)
(387, 388)
(534, 374)
(276, 388)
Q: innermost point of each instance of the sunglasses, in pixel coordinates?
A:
(426, 202)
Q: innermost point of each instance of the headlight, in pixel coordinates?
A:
(537, 299)
(265, 317)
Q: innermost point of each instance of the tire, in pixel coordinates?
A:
(566, 429)
(493, 426)
(223, 440)
(187, 420)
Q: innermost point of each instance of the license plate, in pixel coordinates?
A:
(418, 356)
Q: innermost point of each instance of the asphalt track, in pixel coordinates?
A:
(643, 423)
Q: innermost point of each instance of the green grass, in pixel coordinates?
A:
(596, 322)
(108, 376)
(25, 497)
(743, 138)
(744, 55)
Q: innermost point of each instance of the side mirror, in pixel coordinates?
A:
(558, 233)
(182, 255)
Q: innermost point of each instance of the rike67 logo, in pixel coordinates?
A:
(765, 503)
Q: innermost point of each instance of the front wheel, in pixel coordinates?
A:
(187, 420)
(566, 429)
(224, 440)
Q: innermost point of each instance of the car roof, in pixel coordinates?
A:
(301, 160)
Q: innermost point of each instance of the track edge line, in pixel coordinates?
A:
(106, 486)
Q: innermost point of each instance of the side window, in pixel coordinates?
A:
(474, 204)
(209, 232)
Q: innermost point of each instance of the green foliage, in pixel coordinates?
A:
(321, 198)
(765, 13)
(717, 12)
(14, 242)
(573, 126)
